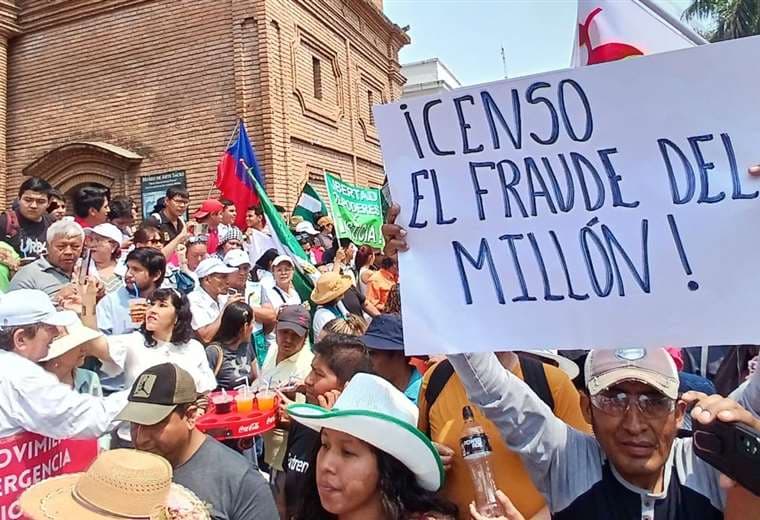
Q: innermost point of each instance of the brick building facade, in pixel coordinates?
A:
(105, 91)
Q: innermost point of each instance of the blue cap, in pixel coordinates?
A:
(385, 332)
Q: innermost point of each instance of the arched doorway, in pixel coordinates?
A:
(74, 165)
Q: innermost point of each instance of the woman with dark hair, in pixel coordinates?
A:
(165, 336)
(230, 354)
(363, 265)
(263, 268)
(371, 462)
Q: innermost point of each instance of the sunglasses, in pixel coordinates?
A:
(617, 404)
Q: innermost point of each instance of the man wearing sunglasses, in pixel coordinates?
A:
(634, 467)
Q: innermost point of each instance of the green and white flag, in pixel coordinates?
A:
(310, 206)
(304, 274)
(357, 212)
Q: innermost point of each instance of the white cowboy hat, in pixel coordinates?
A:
(376, 412)
(568, 366)
(75, 335)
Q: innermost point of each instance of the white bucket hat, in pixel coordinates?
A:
(376, 412)
(75, 335)
(106, 230)
(306, 227)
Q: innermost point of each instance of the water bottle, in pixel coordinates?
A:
(476, 451)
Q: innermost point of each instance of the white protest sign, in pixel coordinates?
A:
(607, 206)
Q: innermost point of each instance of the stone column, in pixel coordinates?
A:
(8, 29)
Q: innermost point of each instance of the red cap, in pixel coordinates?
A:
(207, 207)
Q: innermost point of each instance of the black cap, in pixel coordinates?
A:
(157, 392)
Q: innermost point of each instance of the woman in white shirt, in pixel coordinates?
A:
(283, 292)
(165, 337)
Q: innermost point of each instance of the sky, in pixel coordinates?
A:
(467, 35)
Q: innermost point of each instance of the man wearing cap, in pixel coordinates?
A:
(208, 299)
(634, 465)
(32, 399)
(288, 358)
(163, 414)
(210, 213)
(385, 340)
(53, 270)
(254, 294)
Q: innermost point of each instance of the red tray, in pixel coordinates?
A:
(233, 425)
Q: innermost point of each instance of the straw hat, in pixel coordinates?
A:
(126, 484)
(376, 412)
(329, 287)
(76, 335)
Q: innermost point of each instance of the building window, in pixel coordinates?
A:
(316, 69)
(370, 102)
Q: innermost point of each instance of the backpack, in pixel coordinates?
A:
(182, 281)
(12, 225)
(533, 375)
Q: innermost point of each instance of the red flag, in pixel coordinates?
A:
(233, 180)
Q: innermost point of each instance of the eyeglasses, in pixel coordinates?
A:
(180, 202)
(652, 406)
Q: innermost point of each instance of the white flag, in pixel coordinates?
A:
(609, 30)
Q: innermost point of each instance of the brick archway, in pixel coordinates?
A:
(86, 162)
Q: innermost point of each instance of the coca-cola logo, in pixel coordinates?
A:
(250, 428)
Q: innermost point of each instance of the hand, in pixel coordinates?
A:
(707, 408)
(181, 254)
(234, 298)
(755, 170)
(446, 454)
(511, 511)
(340, 256)
(394, 234)
(8, 259)
(327, 400)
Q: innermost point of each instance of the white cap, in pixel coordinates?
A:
(653, 367)
(212, 265)
(306, 227)
(30, 306)
(108, 231)
(236, 258)
(282, 258)
(75, 335)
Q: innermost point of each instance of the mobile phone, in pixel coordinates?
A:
(731, 448)
(85, 268)
(201, 229)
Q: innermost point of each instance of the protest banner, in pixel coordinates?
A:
(357, 211)
(27, 458)
(601, 207)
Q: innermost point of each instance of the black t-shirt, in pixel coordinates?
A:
(302, 443)
(353, 301)
(161, 221)
(236, 365)
(30, 239)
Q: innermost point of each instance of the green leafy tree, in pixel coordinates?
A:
(730, 18)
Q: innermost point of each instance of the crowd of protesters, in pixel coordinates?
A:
(118, 328)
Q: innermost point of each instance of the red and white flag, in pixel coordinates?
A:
(609, 30)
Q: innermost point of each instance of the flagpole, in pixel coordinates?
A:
(232, 138)
(677, 24)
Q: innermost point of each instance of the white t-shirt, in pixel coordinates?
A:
(258, 244)
(203, 307)
(323, 316)
(278, 297)
(132, 356)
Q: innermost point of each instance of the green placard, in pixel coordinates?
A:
(357, 212)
